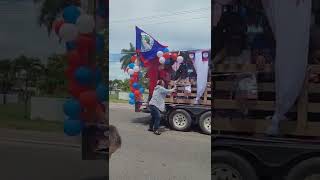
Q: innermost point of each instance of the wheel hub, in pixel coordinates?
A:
(225, 172)
(180, 120)
(207, 124)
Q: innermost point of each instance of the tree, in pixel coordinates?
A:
(49, 11)
(54, 79)
(126, 58)
(6, 78)
(29, 71)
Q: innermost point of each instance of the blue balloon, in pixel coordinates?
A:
(167, 61)
(83, 75)
(72, 108)
(71, 45)
(140, 75)
(141, 90)
(166, 50)
(131, 95)
(132, 101)
(136, 85)
(131, 65)
(72, 127)
(101, 11)
(100, 44)
(71, 14)
(98, 75)
(102, 92)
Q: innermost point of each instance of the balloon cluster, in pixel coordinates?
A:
(88, 91)
(165, 57)
(134, 70)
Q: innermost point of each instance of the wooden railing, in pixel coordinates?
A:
(301, 125)
(180, 98)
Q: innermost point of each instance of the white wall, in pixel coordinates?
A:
(11, 98)
(47, 108)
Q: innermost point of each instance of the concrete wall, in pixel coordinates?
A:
(11, 98)
(47, 108)
(125, 96)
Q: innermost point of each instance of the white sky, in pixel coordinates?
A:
(20, 33)
(180, 24)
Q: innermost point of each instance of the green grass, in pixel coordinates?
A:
(114, 99)
(12, 117)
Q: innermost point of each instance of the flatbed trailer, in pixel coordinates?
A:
(241, 151)
(259, 158)
(182, 114)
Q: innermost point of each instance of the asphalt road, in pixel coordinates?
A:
(145, 156)
(19, 161)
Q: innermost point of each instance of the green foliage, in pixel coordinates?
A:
(127, 54)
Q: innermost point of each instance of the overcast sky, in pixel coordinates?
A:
(180, 24)
(20, 33)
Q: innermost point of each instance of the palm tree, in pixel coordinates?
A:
(127, 54)
(29, 71)
(49, 11)
(6, 78)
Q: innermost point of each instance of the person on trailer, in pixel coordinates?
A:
(157, 105)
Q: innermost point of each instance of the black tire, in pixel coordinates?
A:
(230, 166)
(203, 124)
(305, 169)
(180, 120)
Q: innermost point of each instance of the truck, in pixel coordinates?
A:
(181, 113)
(242, 151)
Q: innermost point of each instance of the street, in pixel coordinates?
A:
(145, 156)
(47, 162)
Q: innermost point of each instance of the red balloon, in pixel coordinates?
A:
(87, 116)
(74, 59)
(137, 93)
(75, 89)
(166, 55)
(57, 25)
(132, 89)
(88, 99)
(174, 56)
(133, 58)
(135, 75)
(85, 44)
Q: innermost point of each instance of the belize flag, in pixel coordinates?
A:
(146, 45)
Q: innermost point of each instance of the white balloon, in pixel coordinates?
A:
(131, 71)
(68, 32)
(159, 54)
(180, 59)
(85, 23)
(136, 69)
(162, 60)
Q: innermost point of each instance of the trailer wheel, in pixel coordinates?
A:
(180, 120)
(205, 122)
(306, 170)
(230, 166)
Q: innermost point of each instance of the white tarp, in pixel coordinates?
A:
(291, 24)
(201, 68)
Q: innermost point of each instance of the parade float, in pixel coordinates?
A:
(174, 67)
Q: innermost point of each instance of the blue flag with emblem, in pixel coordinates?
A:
(146, 45)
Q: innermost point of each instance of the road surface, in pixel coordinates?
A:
(145, 156)
(20, 161)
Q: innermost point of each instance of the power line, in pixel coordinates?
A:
(165, 22)
(163, 15)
